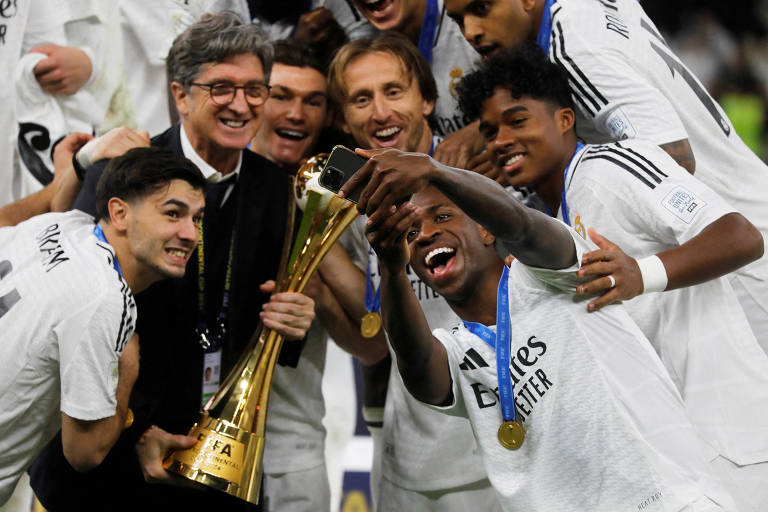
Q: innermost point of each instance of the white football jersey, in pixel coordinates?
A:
(24, 26)
(452, 58)
(65, 316)
(605, 428)
(627, 83)
(353, 23)
(295, 438)
(414, 436)
(636, 195)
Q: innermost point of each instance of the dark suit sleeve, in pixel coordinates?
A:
(86, 199)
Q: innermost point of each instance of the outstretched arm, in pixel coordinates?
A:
(533, 237)
(421, 358)
(723, 246)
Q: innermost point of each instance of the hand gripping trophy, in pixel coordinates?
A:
(231, 427)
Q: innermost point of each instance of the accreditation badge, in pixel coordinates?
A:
(211, 374)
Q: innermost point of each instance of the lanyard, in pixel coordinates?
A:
(545, 29)
(100, 235)
(372, 299)
(428, 28)
(202, 324)
(563, 202)
(500, 341)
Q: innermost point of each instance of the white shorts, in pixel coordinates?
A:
(298, 491)
(478, 496)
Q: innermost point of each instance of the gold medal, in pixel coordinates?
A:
(128, 419)
(511, 435)
(370, 324)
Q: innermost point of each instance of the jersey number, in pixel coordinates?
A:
(675, 65)
(12, 297)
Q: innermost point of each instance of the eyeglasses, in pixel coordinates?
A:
(223, 93)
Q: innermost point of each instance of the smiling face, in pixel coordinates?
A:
(384, 107)
(294, 115)
(449, 251)
(404, 16)
(162, 230)
(218, 130)
(490, 25)
(529, 140)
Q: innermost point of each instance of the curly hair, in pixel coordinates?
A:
(525, 71)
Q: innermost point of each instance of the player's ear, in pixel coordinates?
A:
(182, 98)
(528, 5)
(118, 213)
(565, 119)
(486, 236)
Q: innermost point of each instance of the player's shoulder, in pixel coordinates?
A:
(632, 163)
(594, 22)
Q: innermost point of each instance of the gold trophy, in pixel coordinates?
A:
(232, 424)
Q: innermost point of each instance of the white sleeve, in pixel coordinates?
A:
(606, 87)
(90, 344)
(455, 354)
(44, 25)
(562, 280)
(669, 206)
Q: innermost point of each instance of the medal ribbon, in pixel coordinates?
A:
(372, 299)
(563, 202)
(500, 341)
(428, 28)
(100, 235)
(545, 28)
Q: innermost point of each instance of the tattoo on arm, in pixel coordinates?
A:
(681, 151)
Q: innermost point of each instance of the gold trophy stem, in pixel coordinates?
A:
(231, 429)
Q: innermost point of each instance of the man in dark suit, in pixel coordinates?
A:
(218, 69)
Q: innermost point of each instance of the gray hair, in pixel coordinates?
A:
(212, 39)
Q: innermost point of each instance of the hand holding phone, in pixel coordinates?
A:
(341, 165)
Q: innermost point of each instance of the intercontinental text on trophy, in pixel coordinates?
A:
(232, 425)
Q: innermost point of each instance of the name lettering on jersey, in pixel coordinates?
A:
(50, 248)
(530, 383)
(8, 10)
(446, 125)
(683, 204)
(650, 500)
(616, 24)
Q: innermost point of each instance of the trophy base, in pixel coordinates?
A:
(225, 458)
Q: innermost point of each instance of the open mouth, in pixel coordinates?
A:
(232, 123)
(386, 135)
(512, 163)
(178, 254)
(291, 134)
(440, 260)
(487, 51)
(376, 6)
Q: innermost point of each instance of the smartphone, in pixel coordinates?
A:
(341, 165)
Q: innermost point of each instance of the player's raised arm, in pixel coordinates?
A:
(421, 358)
(531, 236)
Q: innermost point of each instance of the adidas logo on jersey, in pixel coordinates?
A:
(472, 361)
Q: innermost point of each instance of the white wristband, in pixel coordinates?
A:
(85, 153)
(653, 273)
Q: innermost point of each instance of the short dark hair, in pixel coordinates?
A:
(393, 43)
(299, 54)
(525, 71)
(140, 172)
(212, 39)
